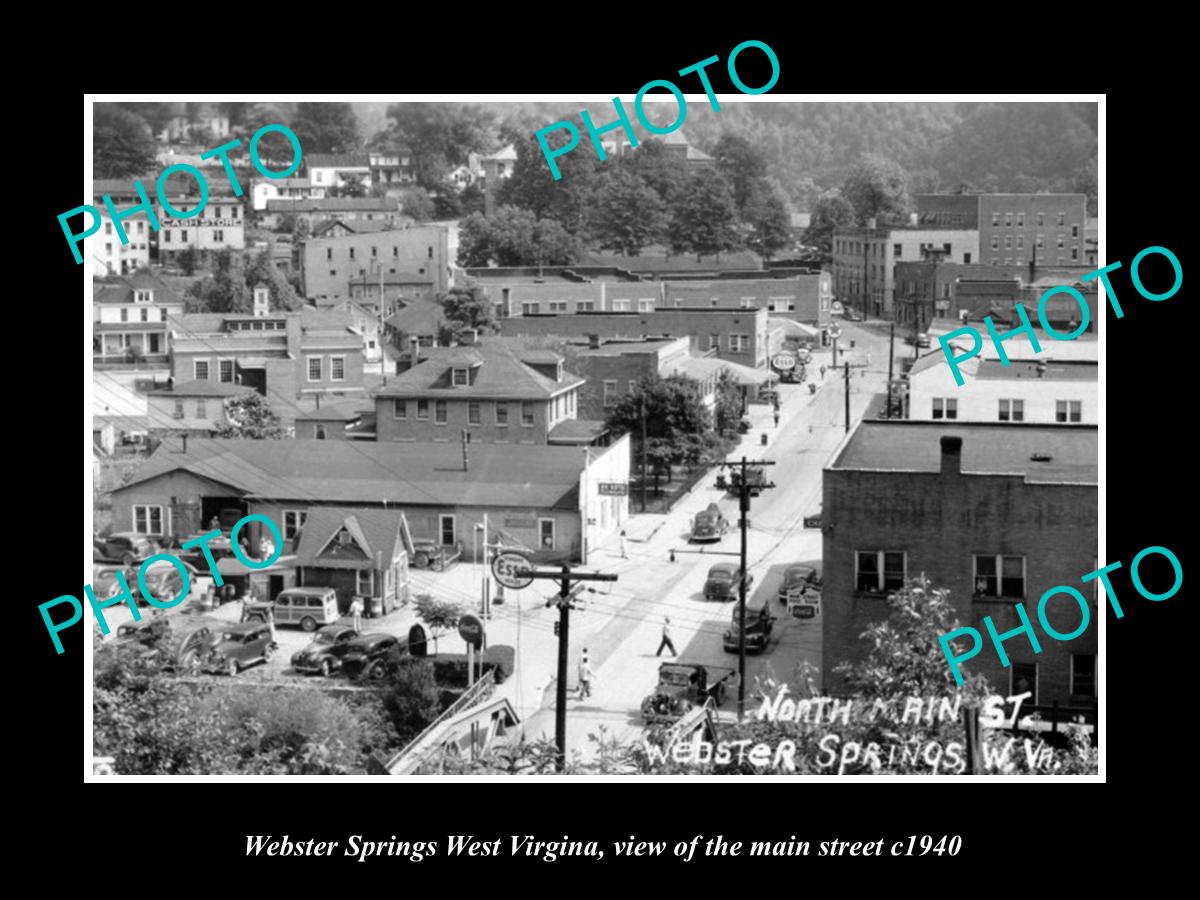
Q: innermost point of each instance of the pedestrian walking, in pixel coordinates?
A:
(585, 675)
(624, 554)
(777, 417)
(356, 610)
(822, 373)
(666, 638)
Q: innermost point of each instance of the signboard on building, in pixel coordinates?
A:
(197, 223)
(612, 488)
(520, 523)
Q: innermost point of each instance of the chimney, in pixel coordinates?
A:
(414, 348)
(593, 341)
(912, 218)
(951, 455)
(871, 223)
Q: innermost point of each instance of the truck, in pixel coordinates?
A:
(682, 686)
(755, 479)
(759, 622)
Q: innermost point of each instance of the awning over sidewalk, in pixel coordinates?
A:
(231, 567)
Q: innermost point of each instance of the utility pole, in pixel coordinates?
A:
(643, 456)
(565, 595)
(744, 490)
(846, 368)
(891, 354)
(382, 354)
(835, 340)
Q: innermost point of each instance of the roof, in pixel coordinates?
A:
(200, 389)
(357, 226)
(332, 204)
(502, 376)
(333, 412)
(369, 473)
(375, 530)
(577, 431)
(506, 154)
(417, 317)
(337, 161)
(1050, 370)
(1000, 448)
(120, 289)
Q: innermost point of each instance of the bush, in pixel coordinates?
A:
(413, 701)
(450, 669)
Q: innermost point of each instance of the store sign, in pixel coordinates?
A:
(198, 223)
(520, 523)
(612, 488)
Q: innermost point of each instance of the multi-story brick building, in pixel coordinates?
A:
(329, 264)
(864, 260)
(191, 407)
(131, 314)
(802, 298)
(1014, 227)
(500, 394)
(996, 513)
(1041, 390)
(289, 357)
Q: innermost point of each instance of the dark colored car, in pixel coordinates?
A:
(722, 583)
(163, 581)
(759, 623)
(126, 547)
(325, 653)
(796, 579)
(155, 638)
(372, 655)
(237, 646)
(709, 525)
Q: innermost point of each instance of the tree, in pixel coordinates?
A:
(263, 271)
(831, 211)
(727, 411)
(468, 306)
(438, 613)
(742, 165)
(326, 128)
(665, 172)
(415, 202)
(474, 241)
(122, 145)
(514, 237)
(877, 188)
(553, 245)
(189, 260)
(471, 199)
(704, 220)
(250, 417)
(437, 137)
(413, 701)
(532, 187)
(674, 414)
(624, 213)
(231, 286)
(768, 225)
(301, 230)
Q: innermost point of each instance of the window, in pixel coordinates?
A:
(337, 368)
(293, 521)
(319, 431)
(439, 412)
(1075, 254)
(620, 306)
(714, 342)
(999, 576)
(967, 258)
(1012, 410)
(446, 529)
(124, 315)
(460, 377)
(1040, 241)
(200, 369)
(430, 251)
(395, 253)
(1020, 242)
(314, 368)
(1008, 242)
(876, 571)
(148, 519)
(333, 271)
(1041, 219)
(897, 250)
(526, 413)
(352, 253)
(648, 306)
(422, 409)
(1061, 242)
(585, 306)
(746, 303)
(374, 252)
(1062, 218)
(1068, 411)
(995, 219)
(183, 236)
(739, 343)
(546, 534)
(530, 309)
(225, 371)
(1008, 220)
(558, 306)
(947, 248)
(179, 409)
(218, 236)
(1083, 674)
(1023, 678)
(945, 408)
(995, 242)
(201, 408)
(473, 417)
(501, 414)
(610, 393)
(1074, 231)
(1020, 220)
(166, 238)
(364, 582)
(400, 409)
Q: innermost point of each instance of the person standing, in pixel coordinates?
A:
(356, 610)
(777, 417)
(624, 554)
(666, 638)
(585, 675)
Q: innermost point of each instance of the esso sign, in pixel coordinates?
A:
(509, 569)
(783, 362)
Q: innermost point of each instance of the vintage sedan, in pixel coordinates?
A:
(325, 653)
(237, 646)
(723, 579)
(372, 655)
(126, 547)
(798, 578)
(709, 525)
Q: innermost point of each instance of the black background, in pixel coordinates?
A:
(1010, 831)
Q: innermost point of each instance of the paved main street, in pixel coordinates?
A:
(621, 623)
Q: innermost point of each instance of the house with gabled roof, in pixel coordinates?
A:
(130, 317)
(359, 553)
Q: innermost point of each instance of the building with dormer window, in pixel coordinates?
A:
(129, 318)
(497, 393)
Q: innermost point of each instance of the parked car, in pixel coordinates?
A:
(308, 607)
(126, 547)
(237, 646)
(429, 554)
(758, 628)
(796, 578)
(155, 638)
(371, 655)
(163, 581)
(722, 583)
(684, 685)
(325, 653)
(709, 525)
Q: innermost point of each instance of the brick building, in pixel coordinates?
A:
(190, 407)
(996, 513)
(1013, 226)
(803, 298)
(328, 265)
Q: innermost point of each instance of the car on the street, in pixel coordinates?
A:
(920, 340)
(796, 578)
(759, 622)
(325, 653)
(427, 555)
(709, 525)
(853, 315)
(372, 655)
(307, 607)
(155, 638)
(238, 646)
(723, 579)
(125, 547)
